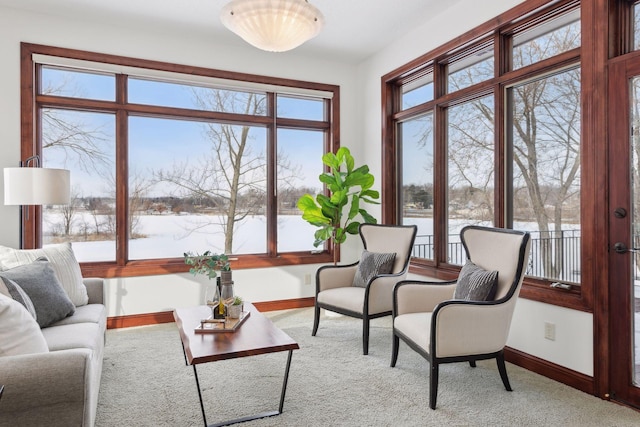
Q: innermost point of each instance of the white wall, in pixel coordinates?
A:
(573, 346)
(158, 293)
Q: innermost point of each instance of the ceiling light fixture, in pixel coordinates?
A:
(273, 25)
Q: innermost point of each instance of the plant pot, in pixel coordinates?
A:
(234, 311)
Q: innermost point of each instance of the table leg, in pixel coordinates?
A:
(204, 416)
(184, 353)
(249, 417)
(284, 382)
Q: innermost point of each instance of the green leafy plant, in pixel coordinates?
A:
(349, 187)
(207, 263)
(237, 300)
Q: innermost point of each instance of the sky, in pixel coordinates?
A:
(156, 143)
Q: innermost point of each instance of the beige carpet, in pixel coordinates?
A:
(145, 382)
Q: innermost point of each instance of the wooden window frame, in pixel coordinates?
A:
(501, 29)
(32, 102)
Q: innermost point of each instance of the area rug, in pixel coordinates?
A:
(145, 382)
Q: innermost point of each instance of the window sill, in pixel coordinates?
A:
(532, 289)
(177, 265)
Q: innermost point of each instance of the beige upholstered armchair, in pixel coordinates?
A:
(364, 289)
(467, 319)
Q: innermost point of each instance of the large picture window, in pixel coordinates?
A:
(496, 141)
(168, 159)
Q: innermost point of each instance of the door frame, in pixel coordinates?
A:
(620, 385)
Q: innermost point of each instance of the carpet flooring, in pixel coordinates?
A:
(145, 382)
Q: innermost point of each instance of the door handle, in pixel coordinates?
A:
(621, 248)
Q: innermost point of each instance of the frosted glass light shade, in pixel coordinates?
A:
(36, 186)
(273, 25)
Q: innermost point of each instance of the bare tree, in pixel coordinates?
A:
(73, 138)
(232, 167)
(546, 145)
(69, 211)
(66, 130)
(99, 210)
(231, 176)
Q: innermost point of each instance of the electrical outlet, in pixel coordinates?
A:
(307, 279)
(550, 331)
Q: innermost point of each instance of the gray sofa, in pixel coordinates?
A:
(59, 388)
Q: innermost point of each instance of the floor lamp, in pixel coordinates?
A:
(30, 184)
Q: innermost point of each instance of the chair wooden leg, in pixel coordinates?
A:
(365, 335)
(394, 350)
(503, 371)
(316, 321)
(433, 385)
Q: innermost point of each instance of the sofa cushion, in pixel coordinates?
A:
(62, 260)
(79, 335)
(41, 284)
(372, 264)
(11, 289)
(90, 313)
(476, 283)
(19, 332)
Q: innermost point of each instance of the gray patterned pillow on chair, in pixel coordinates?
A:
(373, 264)
(476, 283)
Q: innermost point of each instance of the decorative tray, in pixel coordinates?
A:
(208, 326)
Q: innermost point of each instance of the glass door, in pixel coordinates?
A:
(624, 230)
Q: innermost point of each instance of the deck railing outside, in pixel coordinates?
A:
(567, 240)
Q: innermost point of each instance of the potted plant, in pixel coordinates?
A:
(349, 187)
(208, 264)
(235, 309)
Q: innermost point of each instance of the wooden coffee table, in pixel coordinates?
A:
(257, 335)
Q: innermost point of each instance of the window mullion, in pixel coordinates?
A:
(122, 173)
(272, 177)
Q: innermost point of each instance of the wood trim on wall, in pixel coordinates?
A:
(146, 319)
(550, 370)
(595, 210)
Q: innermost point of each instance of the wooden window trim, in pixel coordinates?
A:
(31, 101)
(515, 19)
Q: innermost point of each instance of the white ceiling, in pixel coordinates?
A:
(354, 29)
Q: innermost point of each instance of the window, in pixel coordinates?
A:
(416, 140)
(498, 147)
(298, 151)
(417, 92)
(77, 84)
(470, 167)
(635, 25)
(164, 162)
(545, 135)
(475, 67)
(84, 141)
(552, 37)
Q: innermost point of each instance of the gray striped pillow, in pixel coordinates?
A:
(476, 283)
(373, 264)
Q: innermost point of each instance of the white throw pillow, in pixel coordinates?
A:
(62, 260)
(12, 290)
(19, 332)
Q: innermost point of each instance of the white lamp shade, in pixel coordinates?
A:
(273, 25)
(36, 186)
